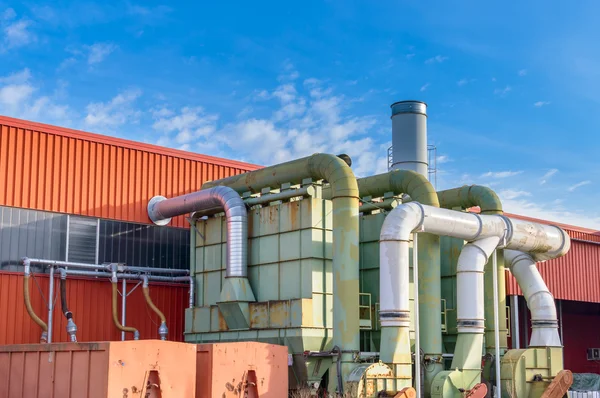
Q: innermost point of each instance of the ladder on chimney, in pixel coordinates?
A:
(431, 160)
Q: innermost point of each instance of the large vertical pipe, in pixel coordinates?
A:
(416, 315)
(344, 195)
(409, 136)
(429, 275)
(496, 330)
(476, 195)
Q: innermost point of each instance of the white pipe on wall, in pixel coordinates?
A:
(544, 322)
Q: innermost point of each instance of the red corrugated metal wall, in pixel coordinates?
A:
(90, 302)
(576, 276)
(49, 168)
(581, 330)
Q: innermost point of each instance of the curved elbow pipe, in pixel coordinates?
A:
(162, 329)
(71, 326)
(115, 312)
(469, 281)
(469, 196)
(397, 181)
(28, 306)
(161, 209)
(544, 322)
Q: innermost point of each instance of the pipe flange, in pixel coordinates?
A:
(152, 214)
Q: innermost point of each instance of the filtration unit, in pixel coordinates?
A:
(378, 286)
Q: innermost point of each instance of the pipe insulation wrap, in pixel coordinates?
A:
(469, 284)
(544, 320)
(543, 241)
(161, 209)
(394, 309)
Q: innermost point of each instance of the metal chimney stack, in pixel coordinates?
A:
(409, 136)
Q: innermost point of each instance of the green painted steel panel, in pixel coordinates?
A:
(290, 249)
(289, 244)
(290, 281)
(268, 249)
(212, 287)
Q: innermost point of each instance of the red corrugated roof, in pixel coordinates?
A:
(49, 168)
(123, 143)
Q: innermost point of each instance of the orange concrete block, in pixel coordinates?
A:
(242, 369)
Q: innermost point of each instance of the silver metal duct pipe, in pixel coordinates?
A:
(409, 136)
(104, 267)
(161, 209)
(102, 274)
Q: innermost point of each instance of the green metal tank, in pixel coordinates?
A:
(290, 273)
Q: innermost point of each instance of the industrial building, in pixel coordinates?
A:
(74, 196)
(77, 197)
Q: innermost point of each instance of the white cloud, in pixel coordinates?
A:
(18, 99)
(116, 112)
(11, 95)
(16, 34)
(547, 176)
(425, 86)
(289, 73)
(502, 91)
(501, 174)
(309, 118)
(551, 212)
(509, 194)
(578, 185)
(8, 14)
(463, 82)
(158, 11)
(539, 104)
(20, 77)
(410, 56)
(184, 128)
(67, 63)
(97, 52)
(522, 72)
(443, 159)
(437, 59)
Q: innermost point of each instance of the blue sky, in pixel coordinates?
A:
(512, 89)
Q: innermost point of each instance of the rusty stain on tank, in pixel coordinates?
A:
(259, 315)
